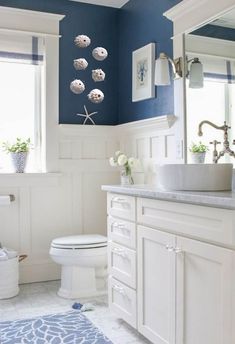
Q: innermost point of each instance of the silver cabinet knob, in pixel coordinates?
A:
(178, 250)
(169, 248)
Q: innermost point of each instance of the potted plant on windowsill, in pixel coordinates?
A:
(198, 152)
(19, 153)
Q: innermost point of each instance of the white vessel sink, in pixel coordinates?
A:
(195, 177)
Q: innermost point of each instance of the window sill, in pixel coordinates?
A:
(29, 179)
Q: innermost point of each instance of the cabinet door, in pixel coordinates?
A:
(204, 293)
(156, 285)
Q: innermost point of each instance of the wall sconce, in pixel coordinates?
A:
(162, 70)
(195, 73)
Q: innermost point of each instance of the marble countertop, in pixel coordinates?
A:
(221, 199)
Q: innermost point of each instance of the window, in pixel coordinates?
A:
(41, 52)
(21, 68)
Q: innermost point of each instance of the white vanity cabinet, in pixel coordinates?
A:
(156, 285)
(184, 278)
(205, 293)
(122, 256)
(185, 291)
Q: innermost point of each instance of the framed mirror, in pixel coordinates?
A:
(210, 51)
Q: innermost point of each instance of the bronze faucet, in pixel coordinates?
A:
(215, 152)
(226, 148)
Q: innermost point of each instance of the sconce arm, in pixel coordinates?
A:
(176, 67)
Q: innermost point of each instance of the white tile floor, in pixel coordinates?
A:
(40, 298)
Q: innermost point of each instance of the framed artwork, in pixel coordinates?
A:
(143, 61)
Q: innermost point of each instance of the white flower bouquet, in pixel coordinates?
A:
(127, 164)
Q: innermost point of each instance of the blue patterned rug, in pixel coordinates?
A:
(68, 328)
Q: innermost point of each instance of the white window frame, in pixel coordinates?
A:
(45, 25)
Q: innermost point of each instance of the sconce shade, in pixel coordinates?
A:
(196, 78)
(162, 71)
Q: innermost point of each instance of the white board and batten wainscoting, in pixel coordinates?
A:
(70, 201)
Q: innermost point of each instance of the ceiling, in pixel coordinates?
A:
(226, 20)
(110, 3)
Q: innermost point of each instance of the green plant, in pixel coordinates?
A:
(20, 146)
(198, 148)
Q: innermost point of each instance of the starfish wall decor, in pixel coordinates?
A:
(87, 115)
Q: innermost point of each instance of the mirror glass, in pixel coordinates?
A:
(212, 45)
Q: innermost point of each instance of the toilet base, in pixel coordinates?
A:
(78, 282)
(66, 294)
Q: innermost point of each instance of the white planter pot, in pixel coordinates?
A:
(19, 161)
(198, 158)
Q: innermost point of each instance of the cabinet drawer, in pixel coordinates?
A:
(122, 232)
(121, 206)
(122, 264)
(122, 300)
(204, 223)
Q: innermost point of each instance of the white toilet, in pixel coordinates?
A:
(84, 265)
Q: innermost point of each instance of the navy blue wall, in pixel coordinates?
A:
(216, 32)
(120, 31)
(100, 23)
(142, 22)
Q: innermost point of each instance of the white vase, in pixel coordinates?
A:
(126, 178)
(19, 161)
(198, 158)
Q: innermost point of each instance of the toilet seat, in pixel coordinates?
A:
(76, 242)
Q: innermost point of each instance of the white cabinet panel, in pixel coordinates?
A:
(122, 300)
(122, 232)
(205, 293)
(156, 285)
(122, 264)
(204, 223)
(121, 206)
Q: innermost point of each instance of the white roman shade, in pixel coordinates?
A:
(21, 48)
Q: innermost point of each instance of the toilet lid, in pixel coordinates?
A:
(80, 241)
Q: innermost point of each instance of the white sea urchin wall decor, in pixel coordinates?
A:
(98, 75)
(80, 64)
(96, 96)
(100, 54)
(82, 41)
(77, 86)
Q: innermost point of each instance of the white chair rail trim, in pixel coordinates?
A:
(158, 123)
